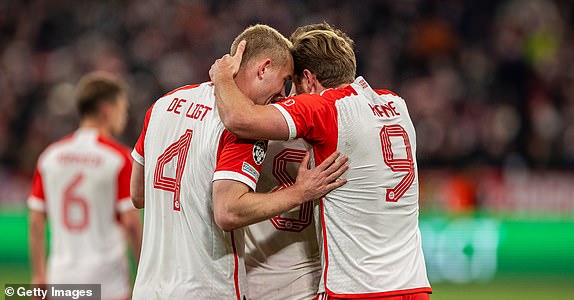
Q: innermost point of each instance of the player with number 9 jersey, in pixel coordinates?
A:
(282, 254)
(372, 244)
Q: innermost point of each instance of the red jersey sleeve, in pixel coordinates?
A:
(37, 200)
(308, 116)
(138, 152)
(123, 198)
(314, 118)
(239, 159)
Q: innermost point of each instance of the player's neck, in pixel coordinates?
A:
(319, 88)
(97, 125)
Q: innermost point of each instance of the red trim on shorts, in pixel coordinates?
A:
(236, 268)
(415, 296)
(380, 295)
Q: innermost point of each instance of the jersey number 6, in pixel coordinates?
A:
(74, 202)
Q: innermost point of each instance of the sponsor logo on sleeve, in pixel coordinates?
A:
(288, 102)
(249, 169)
(259, 149)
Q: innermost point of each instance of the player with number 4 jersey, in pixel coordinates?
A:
(196, 181)
(371, 241)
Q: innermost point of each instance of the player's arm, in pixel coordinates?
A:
(137, 185)
(37, 240)
(239, 114)
(131, 222)
(236, 206)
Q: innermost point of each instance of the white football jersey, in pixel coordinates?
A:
(183, 148)
(371, 240)
(82, 183)
(282, 254)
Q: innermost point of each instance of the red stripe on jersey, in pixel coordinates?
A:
(139, 146)
(123, 180)
(325, 248)
(381, 295)
(236, 268)
(386, 92)
(186, 87)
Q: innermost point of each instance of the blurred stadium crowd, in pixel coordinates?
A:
(488, 83)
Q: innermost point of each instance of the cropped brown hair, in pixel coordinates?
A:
(96, 88)
(262, 40)
(326, 52)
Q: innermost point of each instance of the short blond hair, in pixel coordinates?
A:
(326, 52)
(263, 40)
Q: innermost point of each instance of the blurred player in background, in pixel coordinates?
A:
(81, 185)
(196, 180)
(371, 240)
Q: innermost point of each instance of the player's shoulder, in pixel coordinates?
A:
(389, 95)
(191, 92)
(339, 93)
(182, 89)
(115, 146)
(386, 92)
(58, 144)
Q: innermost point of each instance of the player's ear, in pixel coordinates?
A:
(263, 68)
(311, 81)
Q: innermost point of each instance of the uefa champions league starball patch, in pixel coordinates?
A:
(259, 149)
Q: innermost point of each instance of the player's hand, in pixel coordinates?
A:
(227, 66)
(317, 182)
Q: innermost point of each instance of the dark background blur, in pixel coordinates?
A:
(489, 85)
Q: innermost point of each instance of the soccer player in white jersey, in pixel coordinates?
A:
(81, 185)
(196, 181)
(371, 240)
(282, 254)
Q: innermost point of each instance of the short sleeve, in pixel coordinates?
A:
(123, 197)
(138, 151)
(307, 116)
(239, 159)
(37, 200)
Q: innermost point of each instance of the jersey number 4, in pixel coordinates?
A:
(178, 149)
(281, 174)
(398, 164)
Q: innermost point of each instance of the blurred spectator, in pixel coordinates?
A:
(488, 83)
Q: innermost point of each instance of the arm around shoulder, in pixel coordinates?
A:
(245, 119)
